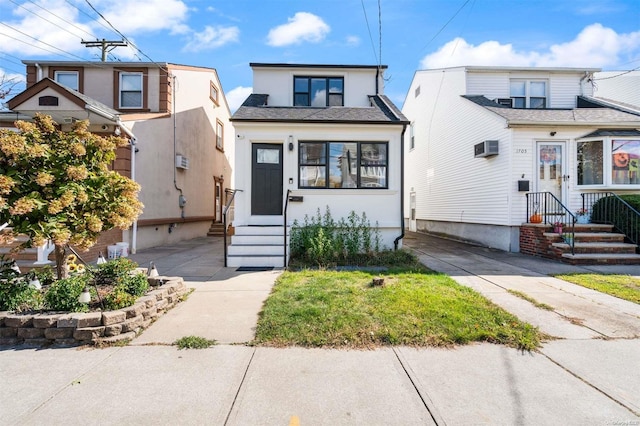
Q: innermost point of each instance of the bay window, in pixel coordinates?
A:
(608, 162)
(343, 165)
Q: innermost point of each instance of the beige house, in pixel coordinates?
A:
(177, 120)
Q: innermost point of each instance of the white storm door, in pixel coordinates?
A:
(552, 169)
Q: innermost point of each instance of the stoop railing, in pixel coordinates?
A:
(609, 208)
(231, 194)
(544, 207)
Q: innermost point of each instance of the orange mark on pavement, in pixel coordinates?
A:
(295, 421)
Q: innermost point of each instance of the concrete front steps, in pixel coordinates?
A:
(216, 230)
(257, 246)
(26, 259)
(595, 244)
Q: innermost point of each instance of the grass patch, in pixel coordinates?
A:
(623, 286)
(194, 342)
(415, 307)
(531, 300)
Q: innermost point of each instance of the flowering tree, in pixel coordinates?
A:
(57, 186)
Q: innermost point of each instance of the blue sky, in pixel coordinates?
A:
(405, 35)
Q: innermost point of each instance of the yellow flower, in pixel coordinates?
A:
(77, 172)
(71, 258)
(77, 149)
(72, 267)
(55, 207)
(6, 183)
(60, 237)
(44, 178)
(22, 206)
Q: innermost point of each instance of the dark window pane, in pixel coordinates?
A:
(335, 85)
(590, 163)
(301, 84)
(343, 170)
(312, 153)
(335, 100)
(313, 176)
(301, 100)
(519, 102)
(537, 102)
(131, 100)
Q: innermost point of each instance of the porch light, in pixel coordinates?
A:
(290, 142)
(85, 296)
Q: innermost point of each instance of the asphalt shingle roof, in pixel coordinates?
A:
(382, 110)
(561, 116)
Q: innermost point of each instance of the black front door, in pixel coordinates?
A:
(266, 179)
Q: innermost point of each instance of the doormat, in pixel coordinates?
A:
(254, 268)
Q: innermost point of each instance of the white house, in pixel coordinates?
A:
(483, 137)
(327, 136)
(622, 87)
(175, 117)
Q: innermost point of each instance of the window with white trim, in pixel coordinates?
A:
(219, 135)
(69, 79)
(130, 90)
(608, 162)
(343, 165)
(528, 93)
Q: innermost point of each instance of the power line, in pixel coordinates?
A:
(364, 10)
(125, 37)
(89, 16)
(617, 75)
(445, 25)
(39, 41)
(57, 16)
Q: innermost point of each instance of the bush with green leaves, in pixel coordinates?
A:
(322, 241)
(114, 270)
(63, 294)
(135, 285)
(608, 210)
(118, 298)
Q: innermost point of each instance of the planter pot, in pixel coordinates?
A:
(583, 219)
(557, 229)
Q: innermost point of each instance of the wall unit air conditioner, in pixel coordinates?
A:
(508, 102)
(486, 149)
(182, 162)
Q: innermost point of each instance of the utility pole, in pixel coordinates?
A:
(105, 46)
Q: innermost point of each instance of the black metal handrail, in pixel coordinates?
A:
(544, 207)
(231, 193)
(609, 208)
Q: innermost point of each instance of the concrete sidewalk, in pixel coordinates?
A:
(582, 378)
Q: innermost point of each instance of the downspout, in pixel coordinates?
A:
(133, 140)
(181, 199)
(401, 236)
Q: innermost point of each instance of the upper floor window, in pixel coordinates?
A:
(68, 78)
(130, 90)
(219, 135)
(412, 136)
(318, 91)
(343, 165)
(213, 93)
(529, 93)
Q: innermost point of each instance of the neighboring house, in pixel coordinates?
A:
(619, 87)
(329, 135)
(177, 120)
(482, 137)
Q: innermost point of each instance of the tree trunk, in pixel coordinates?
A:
(61, 262)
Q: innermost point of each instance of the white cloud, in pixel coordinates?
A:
(302, 27)
(353, 41)
(137, 16)
(56, 32)
(211, 38)
(237, 96)
(594, 46)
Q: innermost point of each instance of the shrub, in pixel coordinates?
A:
(118, 298)
(114, 270)
(63, 294)
(135, 285)
(606, 210)
(17, 295)
(322, 241)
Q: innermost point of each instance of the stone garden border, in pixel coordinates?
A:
(92, 328)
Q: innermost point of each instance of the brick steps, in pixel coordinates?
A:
(595, 244)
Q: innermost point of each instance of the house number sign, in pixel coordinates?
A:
(521, 150)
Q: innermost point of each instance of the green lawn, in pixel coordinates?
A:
(414, 307)
(623, 286)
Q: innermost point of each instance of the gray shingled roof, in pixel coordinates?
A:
(613, 132)
(557, 116)
(382, 111)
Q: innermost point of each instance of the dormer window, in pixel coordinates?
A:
(529, 94)
(318, 91)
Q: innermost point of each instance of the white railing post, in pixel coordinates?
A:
(43, 253)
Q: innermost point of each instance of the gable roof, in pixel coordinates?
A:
(633, 133)
(84, 102)
(576, 116)
(381, 111)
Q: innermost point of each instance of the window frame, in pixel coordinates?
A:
(526, 99)
(78, 70)
(117, 73)
(214, 93)
(307, 93)
(219, 135)
(607, 163)
(327, 164)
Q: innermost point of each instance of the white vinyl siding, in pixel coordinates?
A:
(563, 90)
(618, 86)
(491, 85)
